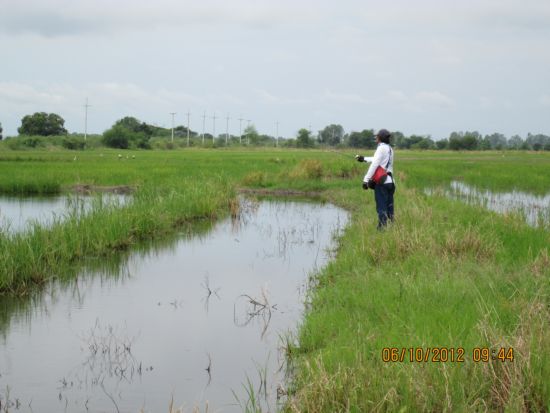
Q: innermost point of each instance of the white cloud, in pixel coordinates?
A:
(420, 101)
(269, 98)
(65, 18)
(434, 98)
(22, 95)
(444, 16)
(345, 98)
(397, 96)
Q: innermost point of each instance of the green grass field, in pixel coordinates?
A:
(446, 276)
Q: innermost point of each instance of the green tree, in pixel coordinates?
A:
(398, 139)
(1, 131)
(331, 135)
(442, 144)
(303, 139)
(496, 141)
(135, 125)
(251, 135)
(128, 132)
(424, 143)
(363, 139)
(464, 140)
(42, 124)
(515, 142)
(117, 137)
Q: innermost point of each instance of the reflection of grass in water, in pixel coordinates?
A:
(31, 257)
(531, 208)
(111, 270)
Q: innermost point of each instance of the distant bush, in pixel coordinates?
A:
(127, 133)
(73, 142)
(123, 138)
(26, 142)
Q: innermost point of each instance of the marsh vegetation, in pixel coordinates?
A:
(447, 274)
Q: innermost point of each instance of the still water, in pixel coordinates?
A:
(19, 213)
(535, 209)
(193, 320)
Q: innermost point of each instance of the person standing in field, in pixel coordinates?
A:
(383, 191)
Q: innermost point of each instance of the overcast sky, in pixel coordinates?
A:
(422, 67)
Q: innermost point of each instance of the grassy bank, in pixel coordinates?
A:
(446, 275)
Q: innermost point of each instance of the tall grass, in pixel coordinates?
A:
(444, 275)
(37, 254)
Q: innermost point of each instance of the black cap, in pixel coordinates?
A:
(384, 135)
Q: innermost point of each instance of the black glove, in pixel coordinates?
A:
(360, 158)
(365, 185)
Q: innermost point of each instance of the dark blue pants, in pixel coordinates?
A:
(383, 194)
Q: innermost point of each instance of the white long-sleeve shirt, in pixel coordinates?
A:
(382, 157)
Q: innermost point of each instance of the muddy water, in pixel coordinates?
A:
(535, 209)
(18, 213)
(193, 320)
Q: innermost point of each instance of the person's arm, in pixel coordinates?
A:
(362, 158)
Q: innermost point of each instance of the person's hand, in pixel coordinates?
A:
(360, 158)
(365, 185)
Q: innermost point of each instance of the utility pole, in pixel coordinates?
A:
(188, 114)
(227, 129)
(248, 136)
(86, 106)
(214, 127)
(241, 130)
(277, 133)
(173, 114)
(203, 124)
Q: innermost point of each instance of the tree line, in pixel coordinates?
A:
(130, 132)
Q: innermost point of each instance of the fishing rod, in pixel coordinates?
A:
(342, 153)
(354, 157)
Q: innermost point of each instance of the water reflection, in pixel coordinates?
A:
(190, 318)
(20, 213)
(535, 209)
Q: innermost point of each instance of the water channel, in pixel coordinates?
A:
(19, 213)
(535, 209)
(197, 319)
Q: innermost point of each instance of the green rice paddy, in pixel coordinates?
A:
(410, 319)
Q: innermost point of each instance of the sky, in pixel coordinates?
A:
(428, 67)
